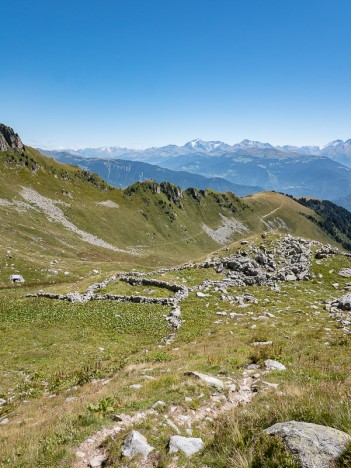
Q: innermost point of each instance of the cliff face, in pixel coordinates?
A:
(9, 139)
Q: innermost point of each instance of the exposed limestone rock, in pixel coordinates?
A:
(207, 379)
(188, 445)
(343, 303)
(136, 444)
(56, 215)
(270, 364)
(326, 251)
(314, 446)
(108, 204)
(223, 233)
(9, 139)
(345, 273)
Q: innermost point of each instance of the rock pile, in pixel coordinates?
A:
(340, 310)
(326, 251)
(290, 260)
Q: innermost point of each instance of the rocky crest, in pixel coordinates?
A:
(9, 139)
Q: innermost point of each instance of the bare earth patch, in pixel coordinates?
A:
(56, 215)
(108, 203)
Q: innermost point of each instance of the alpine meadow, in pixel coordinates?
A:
(166, 300)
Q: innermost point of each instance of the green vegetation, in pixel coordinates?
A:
(334, 219)
(52, 348)
(65, 368)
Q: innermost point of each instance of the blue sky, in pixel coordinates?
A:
(140, 73)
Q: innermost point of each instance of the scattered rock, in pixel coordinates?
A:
(326, 251)
(313, 445)
(270, 364)
(136, 444)
(345, 273)
(159, 404)
(4, 421)
(262, 343)
(172, 425)
(207, 379)
(188, 445)
(201, 294)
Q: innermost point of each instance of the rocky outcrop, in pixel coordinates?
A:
(9, 139)
(290, 260)
(312, 445)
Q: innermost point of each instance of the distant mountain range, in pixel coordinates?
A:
(122, 173)
(337, 150)
(322, 172)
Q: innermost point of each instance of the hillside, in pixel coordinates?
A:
(53, 211)
(122, 173)
(189, 317)
(345, 202)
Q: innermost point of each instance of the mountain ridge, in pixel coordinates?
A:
(122, 173)
(336, 148)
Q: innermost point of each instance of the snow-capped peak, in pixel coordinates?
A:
(206, 146)
(332, 144)
(253, 144)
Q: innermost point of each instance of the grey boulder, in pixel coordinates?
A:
(314, 446)
(207, 379)
(345, 273)
(344, 302)
(136, 444)
(187, 445)
(270, 364)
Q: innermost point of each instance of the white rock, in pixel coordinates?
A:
(97, 461)
(172, 425)
(159, 404)
(262, 343)
(188, 445)
(207, 379)
(274, 365)
(136, 444)
(201, 294)
(345, 273)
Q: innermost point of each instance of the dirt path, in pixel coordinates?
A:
(92, 453)
(272, 212)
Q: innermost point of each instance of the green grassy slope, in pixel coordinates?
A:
(65, 367)
(153, 225)
(54, 352)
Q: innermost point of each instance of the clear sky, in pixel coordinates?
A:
(143, 73)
